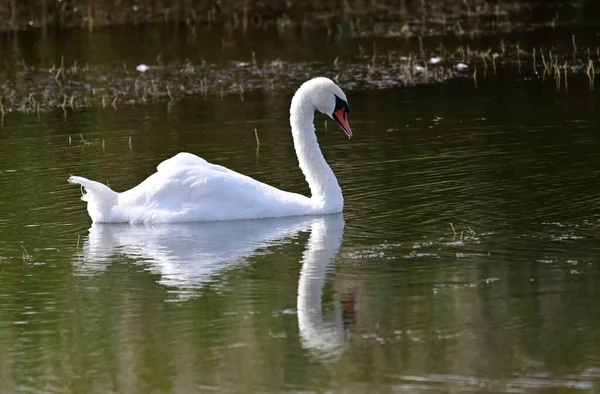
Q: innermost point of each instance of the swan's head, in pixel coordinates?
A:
(330, 100)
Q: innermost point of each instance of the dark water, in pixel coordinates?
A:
(466, 258)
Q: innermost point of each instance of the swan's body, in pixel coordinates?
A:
(187, 188)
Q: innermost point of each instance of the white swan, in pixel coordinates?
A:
(187, 188)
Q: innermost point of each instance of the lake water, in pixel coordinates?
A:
(466, 258)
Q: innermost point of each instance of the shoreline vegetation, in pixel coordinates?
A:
(431, 41)
(16, 15)
(244, 14)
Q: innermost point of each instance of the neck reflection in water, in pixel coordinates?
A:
(189, 255)
(324, 336)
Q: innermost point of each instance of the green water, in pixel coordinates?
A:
(388, 296)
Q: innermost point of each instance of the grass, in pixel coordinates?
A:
(241, 13)
(36, 89)
(420, 53)
(244, 15)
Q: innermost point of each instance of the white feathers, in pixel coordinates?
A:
(187, 188)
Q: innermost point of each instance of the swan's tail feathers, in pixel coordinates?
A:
(95, 192)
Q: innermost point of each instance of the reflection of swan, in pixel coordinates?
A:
(187, 188)
(324, 338)
(187, 255)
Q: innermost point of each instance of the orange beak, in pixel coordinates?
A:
(341, 117)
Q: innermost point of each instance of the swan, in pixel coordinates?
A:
(187, 188)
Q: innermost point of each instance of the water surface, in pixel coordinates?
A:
(466, 258)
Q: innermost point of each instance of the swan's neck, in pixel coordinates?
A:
(325, 190)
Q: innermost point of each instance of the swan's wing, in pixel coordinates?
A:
(186, 162)
(188, 187)
(181, 160)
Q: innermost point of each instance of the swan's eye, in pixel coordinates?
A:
(341, 104)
